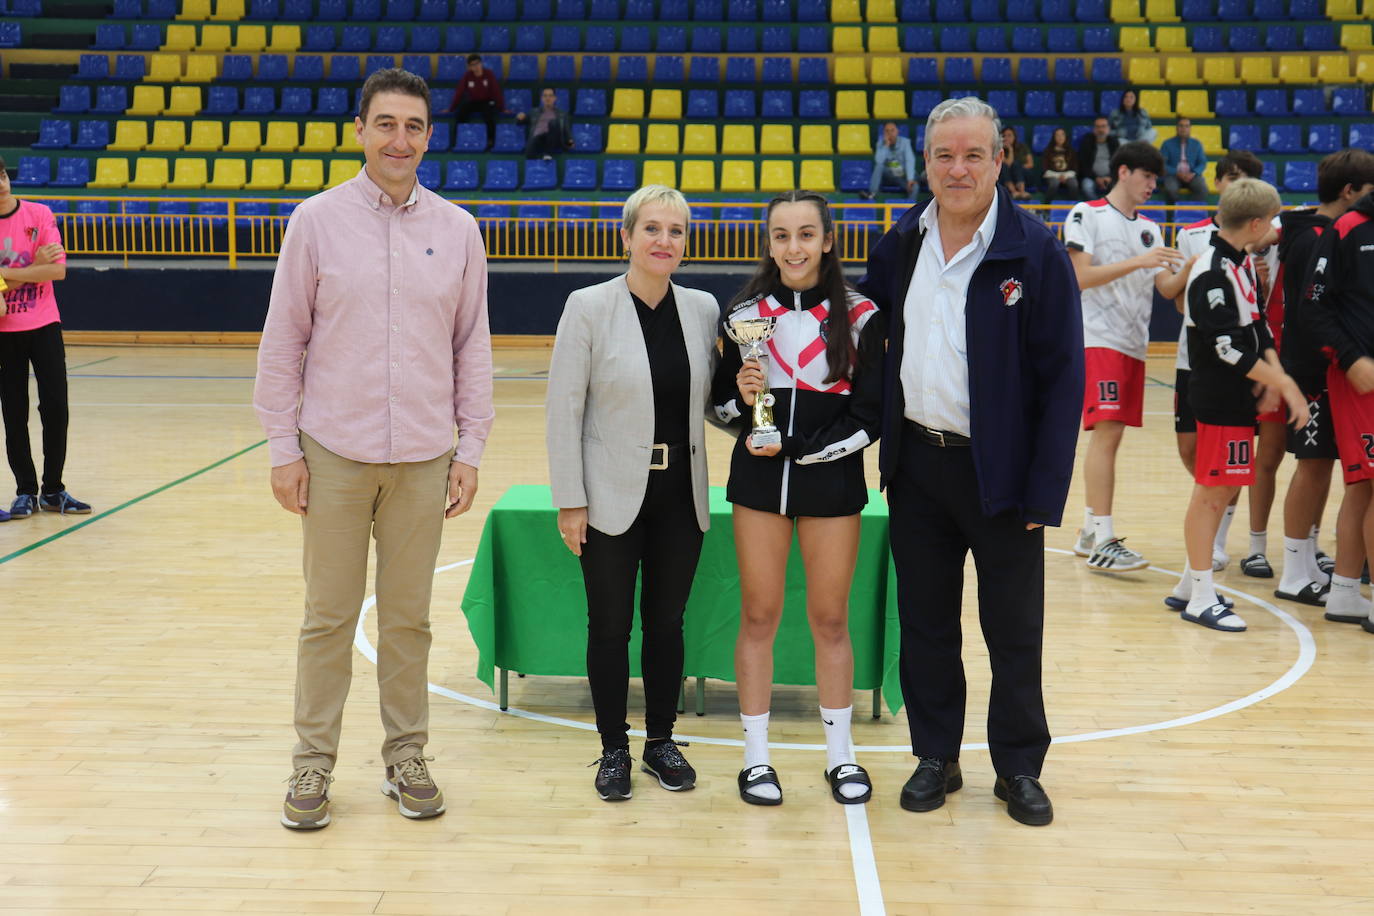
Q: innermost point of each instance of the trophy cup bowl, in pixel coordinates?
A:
(753, 333)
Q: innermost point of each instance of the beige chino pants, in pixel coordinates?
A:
(402, 507)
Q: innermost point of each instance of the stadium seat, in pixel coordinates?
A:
(427, 174)
(1333, 69)
(1039, 104)
(510, 138)
(813, 103)
(996, 70)
(189, 173)
(1219, 71)
(618, 175)
(129, 136)
(1356, 37)
(295, 100)
(1285, 138)
(1300, 176)
(179, 38)
(1005, 102)
(852, 104)
(168, 136)
(92, 67)
(110, 173)
(737, 176)
(460, 175)
(664, 104)
(1244, 39)
(658, 171)
(1062, 40)
(738, 140)
(331, 100)
(1208, 39)
(1192, 103)
(237, 68)
(259, 100)
(777, 104)
(76, 99)
(776, 175)
(623, 140)
(699, 140)
(244, 137)
(200, 68)
(776, 140)
(1144, 71)
(662, 140)
(1349, 100)
(955, 39)
(1078, 105)
(341, 170)
(1244, 136)
(1271, 103)
(990, 40)
(1309, 102)
(92, 135)
(890, 104)
(959, 70)
(282, 137)
(1323, 138)
(815, 140)
(53, 134)
(1281, 38)
(1360, 136)
(228, 175)
(34, 172)
(854, 175)
(206, 137)
(1296, 68)
(854, 140)
(149, 172)
(72, 172)
(1033, 71)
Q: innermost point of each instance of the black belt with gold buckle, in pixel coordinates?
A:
(661, 454)
(940, 438)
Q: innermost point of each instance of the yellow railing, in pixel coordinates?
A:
(561, 231)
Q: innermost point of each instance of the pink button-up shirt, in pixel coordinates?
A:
(376, 341)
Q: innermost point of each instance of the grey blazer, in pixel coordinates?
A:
(600, 407)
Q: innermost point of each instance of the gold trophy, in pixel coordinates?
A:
(752, 333)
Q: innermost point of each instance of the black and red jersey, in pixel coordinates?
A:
(1301, 355)
(1338, 300)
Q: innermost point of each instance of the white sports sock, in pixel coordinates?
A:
(1296, 572)
(1219, 542)
(1102, 529)
(1345, 598)
(838, 748)
(1314, 570)
(1184, 588)
(756, 751)
(1088, 520)
(1259, 542)
(1204, 592)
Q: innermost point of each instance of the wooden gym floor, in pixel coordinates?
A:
(147, 664)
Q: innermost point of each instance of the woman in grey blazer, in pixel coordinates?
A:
(628, 387)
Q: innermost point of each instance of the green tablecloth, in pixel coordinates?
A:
(527, 610)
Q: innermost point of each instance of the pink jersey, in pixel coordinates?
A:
(28, 305)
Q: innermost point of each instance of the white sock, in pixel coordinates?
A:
(756, 751)
(1102, 529)
(1345, 598)
(1219, 542)
(1184, 588)
(1088, 520)
(1259, 542)
(1204, 592)
(1314, 570)
(1296, 572)
(838, 748)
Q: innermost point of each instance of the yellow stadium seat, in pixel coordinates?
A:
(1257, 70)
(851, 105)
(847, 40)
(1338, 10)
(250, 39)
(184, 102)
(1295, 69)
(1209, 135)
(1144, 71)
(660, 171)
(1126, 11)
(129, 135)
(886, 71)
(306, 175)
(1135, 38)
(148, 100)
(320, 137)
(1164, 132)
(168, 136)
(1161, 10)
(1366, 10)
(623, 139)
(854, 140)
(244, 137)
(777, 175)
(282, 137)
(889, 104)
(348, 139)
(1333, 68)
(110, 173)
(1157, 102)
(737, 140)
(815, 140)
(189, 172)
(1171, 38)
(201, 68)
(850, 71)
(1181, 71)
(1193, 103)
(664, 104)
(268, 175)
(341, 170)
(818, 175)
(882, 10)
(228, 10)
(1356, 37)
(285, 39)
(776, 140)
(228, 175)
(163, 68)
(662, 140)
(698, 176)
(882, 39)
(1218, 70)
(206, 137)
(1364, 68)
(195, 10)
(214, 39)
(149, 172)
(180, 38)
(699, 140)
(737, 175)
(845, 11)
(628, 104)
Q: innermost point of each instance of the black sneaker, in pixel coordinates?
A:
(613, 775)
(664, 760)
(63, 503)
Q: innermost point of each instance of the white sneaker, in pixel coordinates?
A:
(1085, 544)
(1114, 556)
(1219, 559)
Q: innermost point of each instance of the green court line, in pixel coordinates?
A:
(92, 363)
(1159, 383)
(137, 499)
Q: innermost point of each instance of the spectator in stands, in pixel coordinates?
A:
(1184, 161)
(1095, 153)
(550, 128)
(478, 91)
(894, 165)
(1131, 122)
(31, 258)
(1060, 174)
(1016, 165)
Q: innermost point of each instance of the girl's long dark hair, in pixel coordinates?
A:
(839, 350)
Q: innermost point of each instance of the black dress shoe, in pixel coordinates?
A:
(1026, 800)
(926, 789)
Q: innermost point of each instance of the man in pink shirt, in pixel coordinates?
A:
(375, 349)
(31, 258)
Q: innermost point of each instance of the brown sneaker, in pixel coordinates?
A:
(410, 784)
(307, 799)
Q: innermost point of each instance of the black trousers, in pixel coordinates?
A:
(487, 109)
(663, 545)
(41, 347)
(550, 143)
(936, 519)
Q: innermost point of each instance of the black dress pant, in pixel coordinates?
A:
(487, 109)
(663, 545)
(550, 143)
(43, 348)
(936, 519)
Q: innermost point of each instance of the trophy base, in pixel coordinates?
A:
(764, 436)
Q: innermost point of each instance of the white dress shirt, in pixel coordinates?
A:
(934, 371)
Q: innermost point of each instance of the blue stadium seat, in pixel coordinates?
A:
(1244, 136)
(1243, 38)
(575, 10)
(504, 10)
(469, 137)
(776, 40)
(295, 100)
(460, 175)
(918, 39)
(959, 70)
(1078, 104)
(1208, 39)
(72, 172)
(739, 103)
(1107, 70)
(923, 100)
(442, 138)
(1281, 38)
(331, 11)
(813, 39)
(427, 173)
(1323, 138)
(1300, 175)
(1285, 138)
(1056, 11)
(923, 71)
(345, 67)
(297, 10)
(1040, 104)
(706, 39)
(855, 175)
(127, 9)
(671, 39)
(236, 68)
(524, 68)
(1231, 103)
(93, 67)
(1361, 136)
(424, 39)
(986, 11)
(1062, 39)
(365, 10)
(1069, 70)
(399, 11)
(708, 10)
(1034, 71)
(596, 68)
(317, 38)
(591, 103)
(145, 36)
(618, 175)
(109, 36)
(669, 69)
(741, 70)
(633, 68)
(534, 10)
(521, 98)
(510, 138)
(635, 38)
(1269, 10)
(990, 39)
(221, 100)
(540, 175)
(950, 11)
(1027, 40)
(1005, 102)
(1041, 134)
(813, 70)
(53, 133)
(812, 11)
(130, 67)
(605, 9)
(529, 39)
(259, 100)
(249, 214)
(703, 103)
(496, 39)
(704, 70)
(777, 11)
(813, 103)
(1305, 9)
(1272, 103)
(599, 39)
(112, 99)
(588, 138)
(1198, 10)
(451, 67)
(636, 10)
(460, 39)
(377, 62)
(355, 38)
(417, 64)
(433, 11)
(1091, 11)
(466, 11)
(160, 9)
(955, 38)
(560, 68)
(777, 104)
(1319, 37)
(1099, 38)
(775, 70)
(996, 70)
(502, 175)
(272, 67)
(915, 11)
(1309, 102)
(1348, 100)
(741, 39)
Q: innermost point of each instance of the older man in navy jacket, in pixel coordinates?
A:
(983, 389)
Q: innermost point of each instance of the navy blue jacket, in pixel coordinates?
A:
(1025, 359)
